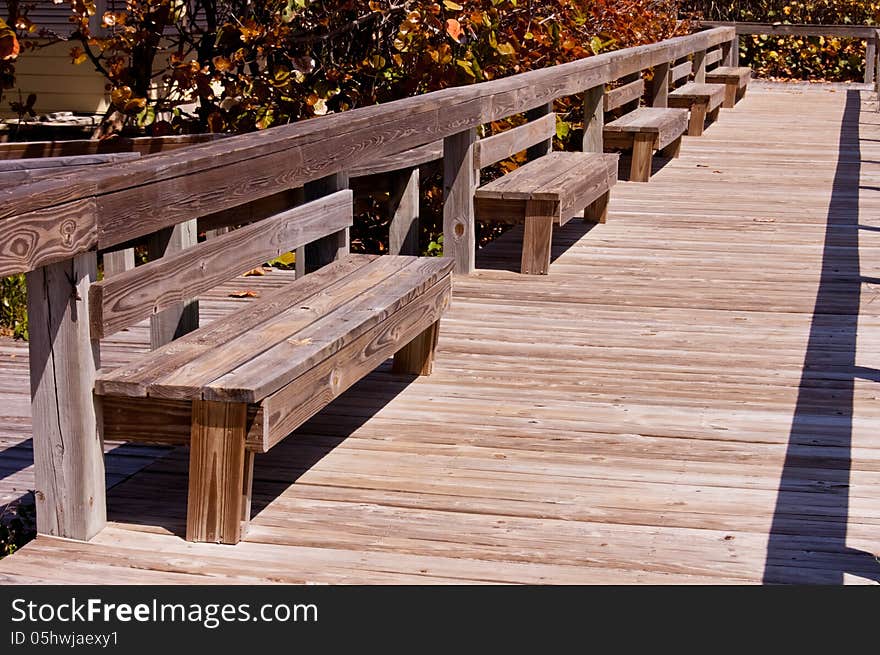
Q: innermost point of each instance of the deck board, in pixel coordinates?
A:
(691, 396)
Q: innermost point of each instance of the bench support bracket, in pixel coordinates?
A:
(417, 357)
(643, 150)
(537, 237)
(220, 472)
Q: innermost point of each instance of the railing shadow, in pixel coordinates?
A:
(807, 541)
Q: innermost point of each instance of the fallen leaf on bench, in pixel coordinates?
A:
(256, 271)
(299, 342)
(702, 165)
(245, 294)
(716, 171)
(764, 220)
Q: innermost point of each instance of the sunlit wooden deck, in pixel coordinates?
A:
(691, 396)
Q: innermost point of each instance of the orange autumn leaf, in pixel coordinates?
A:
(453, 29)
(245, 294)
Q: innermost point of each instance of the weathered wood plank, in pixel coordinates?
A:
(403, 232)
(493, 149)
(277, 366)
(216, 472)
(68, 448)
(460, 180)
(263, 164)
(173, 319)
(292, 405)
(594, 119)
(130, 297)
(134, 378)
(624, 94)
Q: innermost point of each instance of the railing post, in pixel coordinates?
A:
(460, 180)
(870, 58)
(68, 445)
(118, 261)
(659, 91)
(730, 52)
(594, 119)
(403, 233)
(876, 65)
(699, 64)
(320, 253)
(182, 318)
(544, 147)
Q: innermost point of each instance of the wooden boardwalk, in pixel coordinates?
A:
(691, 396)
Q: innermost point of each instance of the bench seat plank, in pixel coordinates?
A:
(134, 379)
(692, 92)
(273, 368)
(183, 369)
(729, 74)
(572, 180)
(667, 123)
(736, 78)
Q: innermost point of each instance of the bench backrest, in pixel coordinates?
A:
(624, 94)
(493, 149)
(133, 295)
(680, 72)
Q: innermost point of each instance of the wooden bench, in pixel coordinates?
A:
(702, 100)
(736, 80)
(642, 130)
(241, 384)
(549, 190)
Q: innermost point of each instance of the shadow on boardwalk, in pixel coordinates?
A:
(823, 416)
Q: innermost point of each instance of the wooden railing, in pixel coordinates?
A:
(867, 33)
(54, 228)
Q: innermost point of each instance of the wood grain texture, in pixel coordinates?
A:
(216, 472)
(417, 356)
(135, 378)
(398, 161)
(625, 420)
(326, 249)
(680, 72)
(173, 319)
(545, 145)
(266, 163)
(537, 237)
(493, 149)
(292, 405)
(68, 448)
(126, 299)
(275, 367)
(594, 119)
(404, 203)
(846, 31)
(460, 180)
(624, 94)
(665, 124)
(659, 89)
(642, 152)
(44, 237)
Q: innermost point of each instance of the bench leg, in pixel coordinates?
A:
(698, 119)
(597, 211)
(729, 95)
(217, 472)
(643, 150)
(537, 237)
(417, 357)
(673, 150)
(714, 114)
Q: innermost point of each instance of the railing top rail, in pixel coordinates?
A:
(798, 29)
(56, 219)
